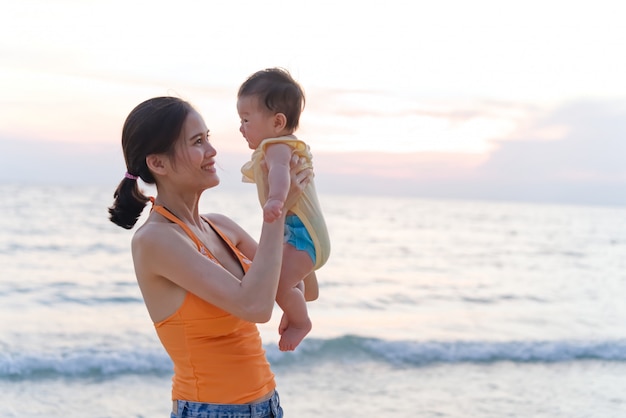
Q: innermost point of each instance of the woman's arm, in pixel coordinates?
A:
(164, 253)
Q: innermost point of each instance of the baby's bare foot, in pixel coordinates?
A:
(292, 335)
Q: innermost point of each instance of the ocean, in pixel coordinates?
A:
(427, 308)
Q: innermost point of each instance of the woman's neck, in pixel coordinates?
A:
(183, 206)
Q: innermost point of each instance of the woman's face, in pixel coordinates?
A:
(195, 152)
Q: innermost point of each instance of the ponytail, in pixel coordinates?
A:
(128, 203)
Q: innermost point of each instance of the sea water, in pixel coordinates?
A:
(427, 308)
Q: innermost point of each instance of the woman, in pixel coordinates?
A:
(201, 290)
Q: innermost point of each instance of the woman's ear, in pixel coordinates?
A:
(280, 121)
(156, 164)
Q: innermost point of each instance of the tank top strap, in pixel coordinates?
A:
(243, 260)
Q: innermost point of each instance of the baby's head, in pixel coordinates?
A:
(277, 92)
(269, 93)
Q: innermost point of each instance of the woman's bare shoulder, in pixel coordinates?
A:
(220, 219)
(152, 229)
(153, 235)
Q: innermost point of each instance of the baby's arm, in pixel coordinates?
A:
(277, 157)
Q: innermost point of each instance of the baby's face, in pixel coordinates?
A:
(256, 122)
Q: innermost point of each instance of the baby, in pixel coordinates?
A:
(269, 104)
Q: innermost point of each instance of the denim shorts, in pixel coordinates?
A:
(266, 409)
(297, 236)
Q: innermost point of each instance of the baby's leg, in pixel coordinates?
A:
(295, 324)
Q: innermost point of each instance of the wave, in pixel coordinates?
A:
(96, 362)
(424, 353)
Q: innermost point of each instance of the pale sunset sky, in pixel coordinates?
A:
(485, 99)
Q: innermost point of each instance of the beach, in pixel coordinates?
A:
(427, 308)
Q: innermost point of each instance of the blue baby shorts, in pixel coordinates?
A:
(297, 236)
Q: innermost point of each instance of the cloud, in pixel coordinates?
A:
(592, 141)
(573, 154)
(584, 165)
(408, 174)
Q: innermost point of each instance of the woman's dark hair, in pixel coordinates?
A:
(278, 92)
(151, 128)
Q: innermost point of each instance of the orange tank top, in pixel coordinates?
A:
(218, 358)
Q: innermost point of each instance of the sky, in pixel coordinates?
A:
(507, 100)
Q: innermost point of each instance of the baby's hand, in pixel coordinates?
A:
(272, 210)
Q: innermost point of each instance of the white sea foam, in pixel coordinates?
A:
(110, 361)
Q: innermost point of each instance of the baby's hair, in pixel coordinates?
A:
(278, 92)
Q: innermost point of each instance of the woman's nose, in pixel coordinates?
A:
(210, 149)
